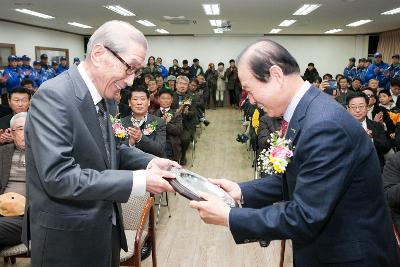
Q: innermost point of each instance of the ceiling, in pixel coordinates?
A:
(247, 17)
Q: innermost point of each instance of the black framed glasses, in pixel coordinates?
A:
(129, 69)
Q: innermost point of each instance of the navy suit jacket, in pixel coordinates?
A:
(333, 205)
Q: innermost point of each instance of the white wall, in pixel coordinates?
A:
(329, 53)
(26, 38)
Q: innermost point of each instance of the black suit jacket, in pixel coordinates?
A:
(189, 120)
(153, 143)
(381, 142)
(5, 121)
(391, 182)
(4, 110)
(174, 130)
(334, 209)
(6, 153)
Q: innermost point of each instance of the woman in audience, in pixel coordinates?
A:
(211, 76)
(151, 67)
(221, 85)
(174, 70)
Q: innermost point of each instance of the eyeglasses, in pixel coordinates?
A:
(355, 108)
(129, 69)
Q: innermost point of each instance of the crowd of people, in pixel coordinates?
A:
(163, 107)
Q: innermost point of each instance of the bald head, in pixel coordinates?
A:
(116, 35)
(263, 54)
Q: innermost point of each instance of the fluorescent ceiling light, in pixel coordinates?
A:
(80, 25)
(334, 31)
(120, 10)
(392, 12)
(216, 22)
(34, 13)
(162, 31)
(359, 23)
(146, 23)
(275, 30)
(211, 9)
(287, 22)
(306, 9)
(219, 30)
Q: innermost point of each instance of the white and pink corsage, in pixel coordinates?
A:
(150, 128)
(119, 131)
(277, 157)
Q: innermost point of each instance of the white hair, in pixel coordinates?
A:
(182, 77)
(116, 35)
(16, 116)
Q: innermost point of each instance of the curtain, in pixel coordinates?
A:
(389, 44)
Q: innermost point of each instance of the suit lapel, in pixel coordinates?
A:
(111, 108)
(88, 111)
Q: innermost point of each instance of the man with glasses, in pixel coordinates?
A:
(78, 175)
(358, 108)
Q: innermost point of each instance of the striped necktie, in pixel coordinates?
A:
(102, 115)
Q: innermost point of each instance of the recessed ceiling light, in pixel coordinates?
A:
(80, 25)
(275, 30)
(306, 9)
(287, 22)
(359, 23)
(392, 12)
(211, 9)
(162, 31)
(219, 30)
(216, 22)
(34, 13)
(120, 10)
(334, 31)
(146, 23)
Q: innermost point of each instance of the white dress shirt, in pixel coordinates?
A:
(139, 176)
(287, 116)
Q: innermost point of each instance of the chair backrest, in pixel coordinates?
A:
(132, 210)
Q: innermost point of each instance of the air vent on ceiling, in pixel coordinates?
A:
(180, 20)
(22, 4)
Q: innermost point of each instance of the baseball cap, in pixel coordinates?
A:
(396, 56)
(378, 54)
(63, 58)
(352, 59)
(43, 56)
(171, 78)
(76, 59)
(25, 58)
(54, 62)
(12, 58)
(36, 62)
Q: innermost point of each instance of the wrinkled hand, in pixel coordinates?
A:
(232, 188)
(377, 70)
(6, 137)
(162, 164)
(369, 132)
(135, 134)
(378, 117)
(156, 182)
(212, 210)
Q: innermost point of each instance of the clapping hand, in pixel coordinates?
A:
(135, 134)
(5, 137)
(378, 117)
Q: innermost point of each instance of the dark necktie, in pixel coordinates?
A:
(163, 111)
(284, 126)
(102, 115)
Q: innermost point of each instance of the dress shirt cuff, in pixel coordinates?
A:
(227, 216)
(139, 183)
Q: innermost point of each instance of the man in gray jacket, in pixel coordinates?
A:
(76, 174)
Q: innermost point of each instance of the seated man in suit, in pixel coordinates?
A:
(173, 120)
(146, 131)
(154, 95)
(186, 104)
(19, 100)
(358, 107)
(12, 180)
(123, 110)
(198, 95)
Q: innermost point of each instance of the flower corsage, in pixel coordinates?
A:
(118, 129)
(150, 128)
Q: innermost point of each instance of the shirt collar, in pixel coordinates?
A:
(364, 123)
(287, 116)
(137, 122)
(96, 97)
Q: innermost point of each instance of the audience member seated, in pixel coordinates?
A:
(317, 82)
(173, 120)
(204, 89)
(12, 185)
(146, 131)
(28, 84)
(123, 109)
(373, 84)
(395, 91)
(343, 93)
(19, 100)
(174, 70)
(391, 183)
(154, 96)
(160, 82)
(185, 104)
(267, 126)
(385, 101)
(358, 108)
(198, 96)
(311, 73)
(151, 67)
(171, 82)
(356, 85)
(147, 78)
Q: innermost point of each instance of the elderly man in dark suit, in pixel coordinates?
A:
(146, 131)
(76, 174)
(329, 200)
(173, 120)
(12, 179)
